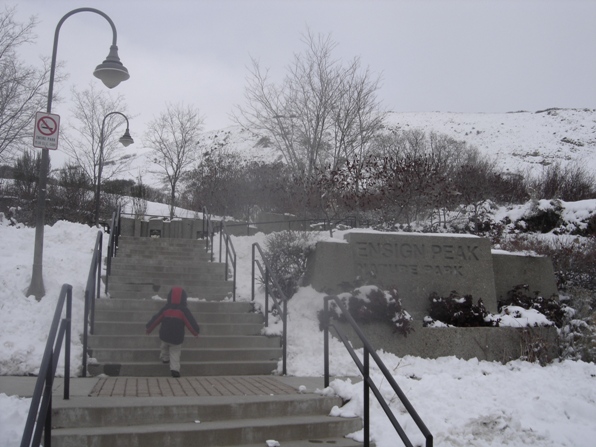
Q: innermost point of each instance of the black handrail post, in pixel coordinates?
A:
(227, 257)
(117, 236)
(252, 285)
(48, 417)
(366, 397)
(326, 342)
(281, 308)
(369, 385)
(85, 331)
(39, 416)
(266, 296)
(234, 278)
(221, 227)
(285, 337)
(98, 266)
(67, 344)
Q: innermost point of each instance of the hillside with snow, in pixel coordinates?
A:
(517, 141)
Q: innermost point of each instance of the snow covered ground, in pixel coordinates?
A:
(463, 403)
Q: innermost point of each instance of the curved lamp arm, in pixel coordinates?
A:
(111, 71)
(125, 140)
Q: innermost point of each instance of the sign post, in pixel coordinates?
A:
(45, 133)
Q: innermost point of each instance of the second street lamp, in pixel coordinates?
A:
(126, 140)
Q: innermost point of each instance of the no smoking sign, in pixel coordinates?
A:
(45, 133)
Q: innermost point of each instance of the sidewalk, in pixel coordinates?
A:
(24, 386)
(166, 386)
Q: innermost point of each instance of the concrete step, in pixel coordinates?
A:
(215, 433)
(188, 355)
(207, 328)
(141, 286)
(160, 257)
(335, 442)
(211, 317)
(158, 369)
(169, 247)
(218, 433)
(147, 276)
(116, 411)
(154, 305)
(217, 290)
(190, 342)
(134, 268)
(127, 241)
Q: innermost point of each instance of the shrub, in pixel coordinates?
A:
(287, 252)
(370, 304)
(543, 219)
(571, 182)
(550, 307)
(459, 311)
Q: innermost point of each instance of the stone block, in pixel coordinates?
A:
(127, 227)
(512, 269)
(415, 264)
(500, 344)
(156, 228)
(175, 228)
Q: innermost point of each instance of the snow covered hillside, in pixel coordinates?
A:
(516, 140)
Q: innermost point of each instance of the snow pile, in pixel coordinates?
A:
(469, 403)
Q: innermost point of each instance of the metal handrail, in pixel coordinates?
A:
(367, 381)
(39, 419)
(112, 244)
(208, 232)
(230, 256)
(327, 224)
(92, 291)
(265, 269)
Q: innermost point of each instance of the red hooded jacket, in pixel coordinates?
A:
(174, 317)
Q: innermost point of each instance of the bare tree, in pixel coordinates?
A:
(173, 138)
(21, 85)
(83, 142)
(323, 112)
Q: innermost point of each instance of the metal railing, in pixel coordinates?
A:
(322, 224)
(39, 419)
(271, 288)
(113, 243)
(224, 239)
(208, 232)
(92, 291)
(368, 383)
(230, 255)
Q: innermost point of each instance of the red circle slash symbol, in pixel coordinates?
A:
(47, 126)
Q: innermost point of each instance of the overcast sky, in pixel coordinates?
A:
(433, 55)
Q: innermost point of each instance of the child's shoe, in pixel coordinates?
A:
(175, 373)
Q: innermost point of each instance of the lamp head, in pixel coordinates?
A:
(126, 140)
(111, 71)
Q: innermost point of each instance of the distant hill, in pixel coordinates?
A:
(516, 140)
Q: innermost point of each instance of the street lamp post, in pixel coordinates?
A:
(111, 72)
(126, 140)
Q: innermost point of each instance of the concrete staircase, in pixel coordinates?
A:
(230, 348)
(297, 420)
(229, 343)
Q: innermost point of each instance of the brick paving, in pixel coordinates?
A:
(190, 386)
